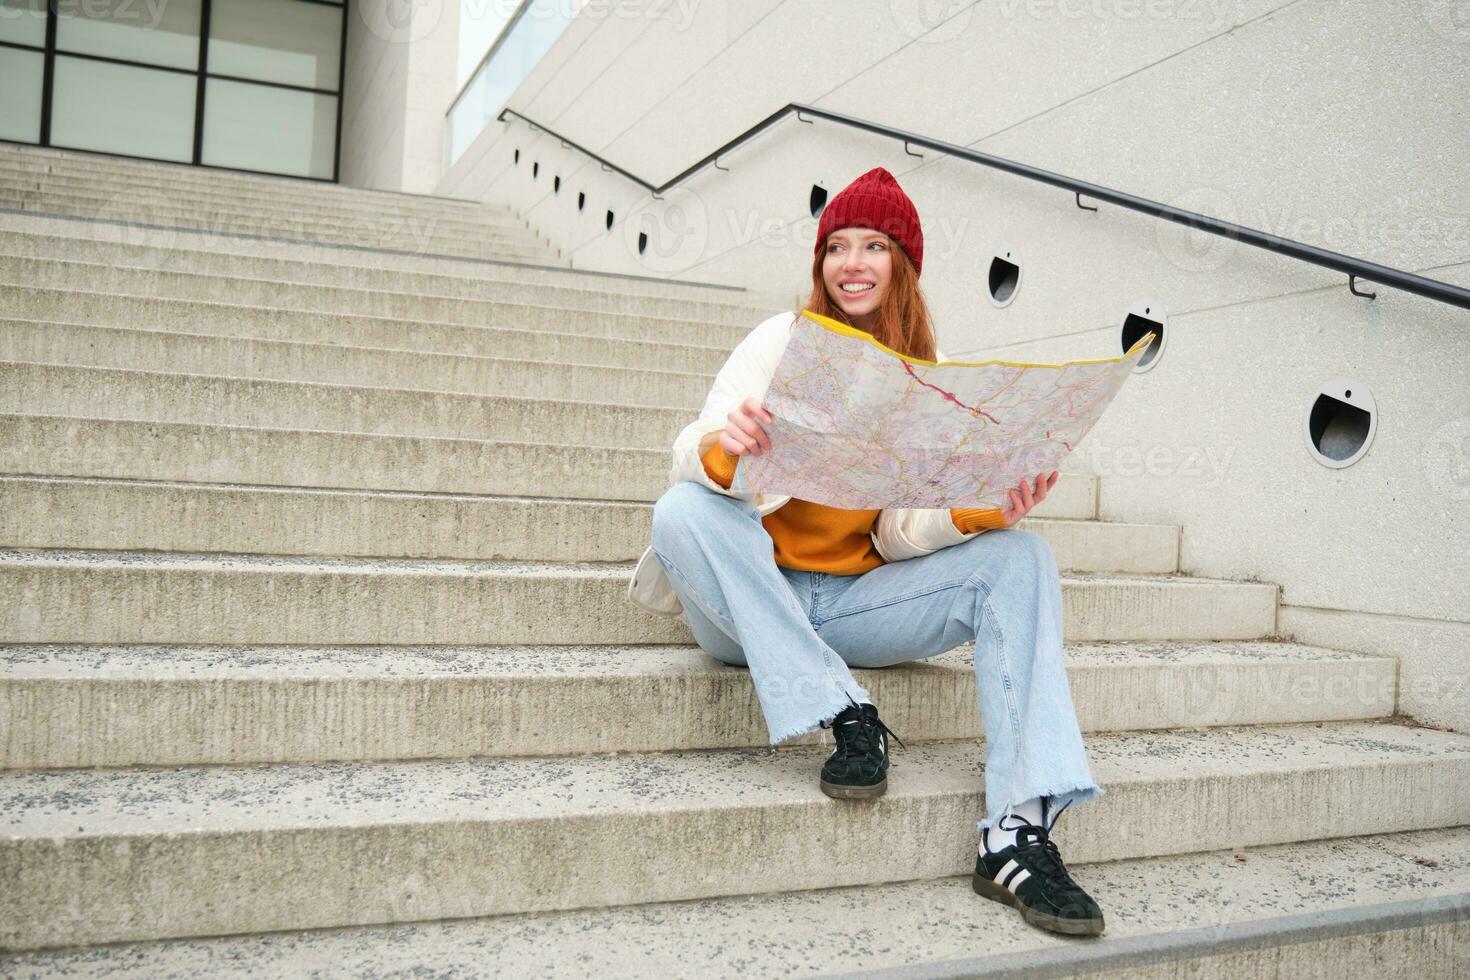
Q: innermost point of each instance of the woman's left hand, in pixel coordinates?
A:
(1024, 497)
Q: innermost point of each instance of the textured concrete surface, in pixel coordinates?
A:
(122, 449)
(99, 855)
(399, 303)
(163, 203)
(230, 319)
(377, 368)
(112, 706)
(115, 393)
(940, 923)
(48, 238)
(432, 235)
(80, 343)
(81, 239)
(129, 597)
(49, 163)
(149, 515)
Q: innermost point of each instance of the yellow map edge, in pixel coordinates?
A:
(838, 327)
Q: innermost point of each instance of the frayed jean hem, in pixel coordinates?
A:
(826, 713)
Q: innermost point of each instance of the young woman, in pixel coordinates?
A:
(799, 592)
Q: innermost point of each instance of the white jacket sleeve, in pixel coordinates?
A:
(911, 532)
(746, 373)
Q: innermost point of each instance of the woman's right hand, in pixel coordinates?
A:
(744, 432)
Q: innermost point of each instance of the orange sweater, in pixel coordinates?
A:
(816, 538)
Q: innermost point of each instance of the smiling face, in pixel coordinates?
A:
(857, 269)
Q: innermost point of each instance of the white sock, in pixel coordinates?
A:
(998, 838)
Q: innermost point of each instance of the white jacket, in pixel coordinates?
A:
(898, 533)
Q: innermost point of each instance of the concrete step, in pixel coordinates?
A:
(22, 302)
(387, 297)
(135, 597)
(129, 449)
(409, 236)
(97, 856)
(48, 445)
(143, 173)
(123, 348)
(128, 515)
(66, 193)
(277, 221)
(578, 290)
(33, 180)
(1323, 909)
(381, 302)
(84, 344)
(117, 706)
(87, 392)
(190, 250)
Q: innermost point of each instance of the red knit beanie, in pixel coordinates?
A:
(875, 201)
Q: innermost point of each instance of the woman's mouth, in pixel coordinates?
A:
(855, 288)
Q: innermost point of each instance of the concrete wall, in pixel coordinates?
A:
(401, 57)
(1326, 121)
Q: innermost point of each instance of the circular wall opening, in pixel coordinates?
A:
(642, 242)
(1339, 423)
(609, 221)
(518, 156)
(818, 199)
(1143, 317)
(581, 200)
(535, 169)
(556, 184)
(1004, 278)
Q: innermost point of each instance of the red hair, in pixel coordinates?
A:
(903, 321)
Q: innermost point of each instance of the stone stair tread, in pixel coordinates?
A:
(297, 271)
(155, 372)
(72, 805)
(1281, 892)
(80, 705)
(288, 310)
(154, 662)
(632, 505)
(61, 558)
(70, 231)
(491, 333)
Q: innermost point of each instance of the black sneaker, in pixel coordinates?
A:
(1030, 876)
(858, 768)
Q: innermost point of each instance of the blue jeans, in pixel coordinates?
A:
(799, 632)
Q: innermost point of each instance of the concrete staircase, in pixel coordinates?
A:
(312, 557)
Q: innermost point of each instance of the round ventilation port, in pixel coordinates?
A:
(1340, 421)
(609, 221)
(818, 200)
(581, 200)
(556, 184)
(1004, 278)
(1145, 317)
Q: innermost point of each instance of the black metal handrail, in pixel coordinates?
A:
(1354, 268)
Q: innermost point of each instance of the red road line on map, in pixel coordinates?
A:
(976, 411)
